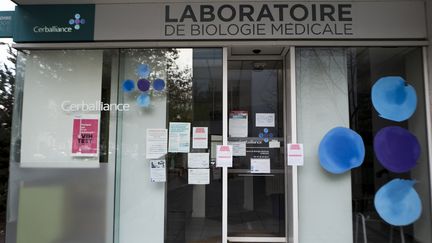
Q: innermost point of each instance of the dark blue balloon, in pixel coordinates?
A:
(340, 150)
(128, 85)
(396, 149)
(143, 85)
(393, 98)
(398, 203)
(159, 84)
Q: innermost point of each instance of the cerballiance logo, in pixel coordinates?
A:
(75, 23)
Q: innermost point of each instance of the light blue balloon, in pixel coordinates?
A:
(398, 203)
(340, 150)
(393, 98)
(143, 70)
(143, 100)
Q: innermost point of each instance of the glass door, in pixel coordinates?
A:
(173, 194)
(256, 182)
(189, 101)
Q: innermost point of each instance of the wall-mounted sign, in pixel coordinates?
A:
(199, 176)
(156, 143)
(295, 154)
(198, 160)
(85, 136)
(221, 21)
(67, 22)
(238, 124)
(224, 155)
(179, 137)
(199, 137)
(158, 170)
(262, 20)
(6, 24)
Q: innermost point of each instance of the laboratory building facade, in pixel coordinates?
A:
(220, 121)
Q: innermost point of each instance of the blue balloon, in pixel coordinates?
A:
(143, 100)
(128, 85)
(396, 149)
(143, 70)
(159, 84)
(393, 98)
(398, 203)
(340, 150)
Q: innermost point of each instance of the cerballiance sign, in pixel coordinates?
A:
(261, 20)
(54, 23)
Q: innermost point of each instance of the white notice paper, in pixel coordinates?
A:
(295, 154)
(223, 156)
(199, 176)
(260, 165)
(264, 119)
(198, 160)
(274, 144)
(179, 137)
(156, 143)
(238, 124)
(199, 137)
(157, 170)
(239, 148)
(215, 140)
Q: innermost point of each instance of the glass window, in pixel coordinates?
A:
(47, 202)
(334, 89)
(367, 66)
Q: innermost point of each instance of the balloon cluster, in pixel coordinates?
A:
(265, 135)
(144, 85)
(396, 149)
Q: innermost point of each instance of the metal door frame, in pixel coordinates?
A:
(289, 106)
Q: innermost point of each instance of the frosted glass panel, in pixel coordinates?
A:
(322, 103)
(58, 205)
(54, 79)
(141, 202)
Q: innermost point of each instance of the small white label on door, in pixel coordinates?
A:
(295, 154)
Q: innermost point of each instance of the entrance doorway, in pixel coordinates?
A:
(256, 191)
(239, 97)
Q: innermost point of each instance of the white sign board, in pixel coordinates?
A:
(224, 156)
(264, 119)
(156, 143)
(158, 170)
(295, 154)
(260, 20)
(238, 124)
(198, 160)
(200, 137)
(179, 137)
(239, 148)
(199, 176)
(260, 165)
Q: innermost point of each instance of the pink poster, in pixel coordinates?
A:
(85, 136)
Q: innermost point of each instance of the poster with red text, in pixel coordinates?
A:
(85, 136)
